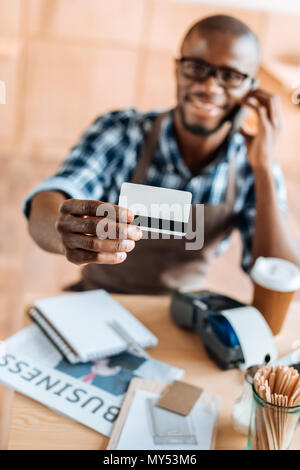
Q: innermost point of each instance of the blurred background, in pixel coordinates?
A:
(63, 62)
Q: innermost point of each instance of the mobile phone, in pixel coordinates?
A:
(239, 113)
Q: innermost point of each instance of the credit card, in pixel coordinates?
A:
(157, 209)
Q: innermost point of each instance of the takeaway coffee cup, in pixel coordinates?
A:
(275, 283)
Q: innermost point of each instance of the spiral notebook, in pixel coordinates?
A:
(80, 325)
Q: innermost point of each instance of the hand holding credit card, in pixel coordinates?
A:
(99, 232)
(95, 232)
(156, 209)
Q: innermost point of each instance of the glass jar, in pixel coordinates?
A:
(272, 427)
(241, 410)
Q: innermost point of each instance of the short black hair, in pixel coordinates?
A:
(225, 24)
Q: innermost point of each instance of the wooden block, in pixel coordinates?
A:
(10, 56)
(10, 18)
(135, 384)
(172, 19)
(153, 90)
(114, 20)
(69, 86)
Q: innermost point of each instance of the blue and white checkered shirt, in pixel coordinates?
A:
(106, 156)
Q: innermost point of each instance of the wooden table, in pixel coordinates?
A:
(33, 426)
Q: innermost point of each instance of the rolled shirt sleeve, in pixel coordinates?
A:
(54, 183)
(87, 170)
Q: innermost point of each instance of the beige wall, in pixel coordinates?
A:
(66, 61)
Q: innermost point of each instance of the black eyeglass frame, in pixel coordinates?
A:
(213, 70)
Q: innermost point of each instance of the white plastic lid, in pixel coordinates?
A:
(276, 274)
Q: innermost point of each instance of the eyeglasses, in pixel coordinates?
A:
(198, 69)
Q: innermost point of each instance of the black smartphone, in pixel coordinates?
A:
(239, 113)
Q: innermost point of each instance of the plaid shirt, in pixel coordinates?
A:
(106, 156)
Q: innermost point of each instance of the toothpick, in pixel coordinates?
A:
(281, 387)
(272, 381)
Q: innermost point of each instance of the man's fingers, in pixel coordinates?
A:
(103, 228)
(252, 103)
(111, 258)
(263, 114)
(248, 137)
(261, 111)
(80, 257)
(78, 225)
(91, 208)
(270, 102)
(84, 242)
(108, 229)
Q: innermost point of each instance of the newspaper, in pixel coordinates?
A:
(90, 393)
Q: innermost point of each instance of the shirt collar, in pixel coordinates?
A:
(170, 151)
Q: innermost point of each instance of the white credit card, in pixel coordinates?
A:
(157, 209)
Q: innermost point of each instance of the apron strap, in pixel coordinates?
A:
(148, 150)
(231, 182)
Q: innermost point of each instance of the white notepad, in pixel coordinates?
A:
(79, 325)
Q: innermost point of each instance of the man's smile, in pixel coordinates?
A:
(203, 107)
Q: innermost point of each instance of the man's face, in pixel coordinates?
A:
(204, 105)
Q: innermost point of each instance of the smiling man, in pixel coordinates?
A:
(197, 147)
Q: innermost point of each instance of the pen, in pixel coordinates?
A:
(132, 345)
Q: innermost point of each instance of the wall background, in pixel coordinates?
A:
(66, 61)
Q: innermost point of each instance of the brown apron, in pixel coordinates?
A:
(161, 266)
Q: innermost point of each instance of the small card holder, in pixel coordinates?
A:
(168, 427)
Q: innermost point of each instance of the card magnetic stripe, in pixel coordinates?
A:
(161, 224)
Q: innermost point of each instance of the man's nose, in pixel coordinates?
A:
(210, 86)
